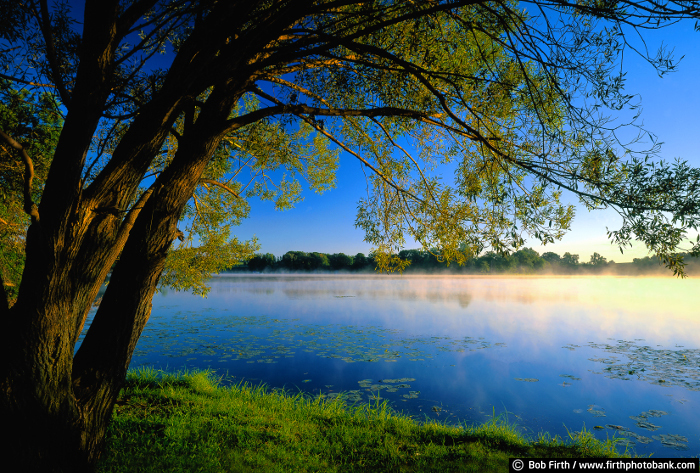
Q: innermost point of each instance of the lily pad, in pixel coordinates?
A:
(637, 438)
(644, 424)
(571, 377)
(623, 442)
(676, 442)
(619, 428)
(659, 366)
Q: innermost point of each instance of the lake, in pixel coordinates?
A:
(620, 356)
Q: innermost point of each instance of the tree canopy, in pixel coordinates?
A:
(176, 112)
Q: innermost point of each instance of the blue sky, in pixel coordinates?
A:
(325, 223)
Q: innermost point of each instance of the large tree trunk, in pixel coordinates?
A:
(55, 407)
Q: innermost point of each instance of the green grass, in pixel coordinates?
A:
(185, 422)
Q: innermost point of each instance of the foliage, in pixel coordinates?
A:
(598, 260)
(259, 262)
(220, 201)
(569, 260)
(340, 261)
(34, 121)
(186, 268)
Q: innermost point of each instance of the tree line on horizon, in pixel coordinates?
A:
(524, 261)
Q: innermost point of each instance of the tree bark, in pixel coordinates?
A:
(58, 406)
(55, 404)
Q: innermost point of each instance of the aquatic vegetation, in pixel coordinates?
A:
(571, 377)
(264, 340)
(616, 427)
(653, 413)
(623, 442)
(527, 380)
(644, 424)
(637, 438)
(676, 442)
(673, 441)
(660, 366)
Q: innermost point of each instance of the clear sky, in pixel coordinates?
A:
(325, 223)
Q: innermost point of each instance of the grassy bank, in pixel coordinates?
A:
(184, 422)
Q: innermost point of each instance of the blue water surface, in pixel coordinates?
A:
(617, 356)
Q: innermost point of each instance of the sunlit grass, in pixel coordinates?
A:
(185, 422)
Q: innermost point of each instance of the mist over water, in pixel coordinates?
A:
(620, 356)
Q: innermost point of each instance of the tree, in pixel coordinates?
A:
(249, 99)
(598, 260)
(260, 262)
(316, 261)
(528, 260)
(419, 259)
(551, 258)
(293, 260)
(484, 266)
(340, 261)
(359, 261)
(569, 261)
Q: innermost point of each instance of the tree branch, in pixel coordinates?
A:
(52, 54)
(29, 207)
(299, 109)
(23, 81)
(4, 301)
(363, 160)
(219, 184)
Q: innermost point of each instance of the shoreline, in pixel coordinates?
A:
(185, 422)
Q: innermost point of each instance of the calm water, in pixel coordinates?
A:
(620, 356)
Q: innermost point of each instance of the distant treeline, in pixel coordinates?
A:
(524, 261)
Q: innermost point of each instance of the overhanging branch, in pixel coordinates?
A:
(219, 184)
(29, 207)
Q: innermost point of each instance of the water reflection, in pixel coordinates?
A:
(555, 353)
